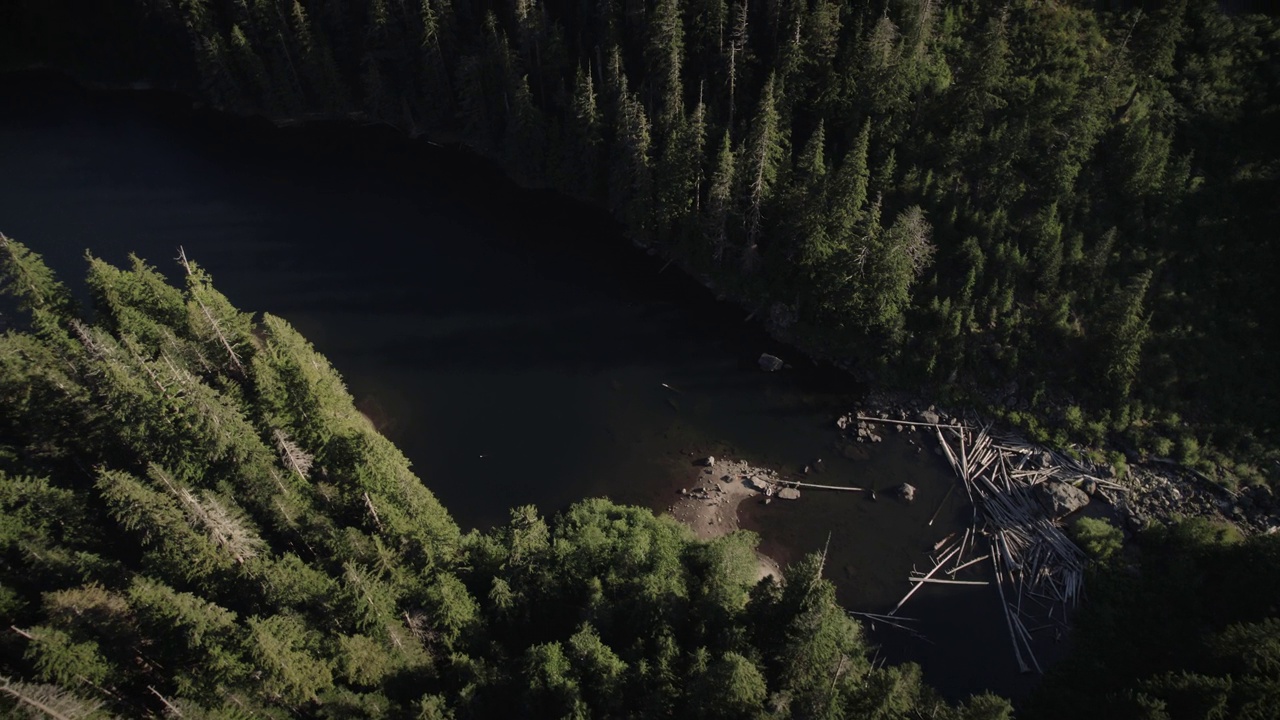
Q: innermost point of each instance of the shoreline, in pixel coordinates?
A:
(709, 504)
(1154, 489)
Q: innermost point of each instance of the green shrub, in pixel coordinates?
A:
(1099, 538)
(1073, 418)
(1188, 449)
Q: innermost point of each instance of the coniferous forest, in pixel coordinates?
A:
(1055, 210)
(1059, 211)
(196, 522)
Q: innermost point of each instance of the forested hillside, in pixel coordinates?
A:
(196, 522)
(1062, 206)
(1189, 630)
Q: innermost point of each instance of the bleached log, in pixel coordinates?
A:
(913, 590)
(974, 561)
(940, 504)
(1026, 640)
(949, 582)
(821, 487)
(1017, 654)
(891, 421)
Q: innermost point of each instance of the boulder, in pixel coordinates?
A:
(770, 363)
(709, 461)
(789, 494)
(929, 416)
(907, 492)
(1059, 498)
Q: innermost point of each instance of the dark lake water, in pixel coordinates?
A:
(510, 342)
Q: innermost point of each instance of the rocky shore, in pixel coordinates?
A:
(1153, 490)
(709, 505)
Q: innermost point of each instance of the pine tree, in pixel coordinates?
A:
(600, 671)
(738, 55)
(1123, 328)
(60, 659)
(849, 189)
(288, 656)
(584, 137)
(720, 199)
(678, 186)
(664, 55)
(805, 199)
(552, 689)
(225, 331)
(763, 154)
(630, 186)
(47, 701)
(176, 549)
(25, 277)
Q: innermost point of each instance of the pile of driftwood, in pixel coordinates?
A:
(1039, 571)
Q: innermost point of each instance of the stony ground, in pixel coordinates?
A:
(709, 504)
(1157, 490)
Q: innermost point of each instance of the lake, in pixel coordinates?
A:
(511, 342)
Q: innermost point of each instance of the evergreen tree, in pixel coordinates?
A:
(720, 199)
(24, 277)
(763, 154)
(664, 56)
(585, 138)
(1123, 329)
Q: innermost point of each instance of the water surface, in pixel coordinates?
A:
(510, 342)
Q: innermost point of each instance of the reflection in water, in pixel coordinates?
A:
(507, 341)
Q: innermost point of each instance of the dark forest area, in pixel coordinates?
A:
(1056, 211)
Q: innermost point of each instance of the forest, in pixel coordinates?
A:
(1052, 210)
(1056, 211)
(196, 522)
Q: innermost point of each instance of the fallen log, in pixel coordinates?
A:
(974, 561)
(1008, 618)
(821, 487)
(935, 569)
(891, 421)
(948, 582)
(944, 502)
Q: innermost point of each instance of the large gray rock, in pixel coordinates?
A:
(930, 417)
(770, 363)
(907, 492)
(1059, 498)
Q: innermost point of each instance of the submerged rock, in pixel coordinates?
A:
(907, 492)
(770, 363)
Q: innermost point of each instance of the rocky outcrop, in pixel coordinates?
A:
(1060, 499)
